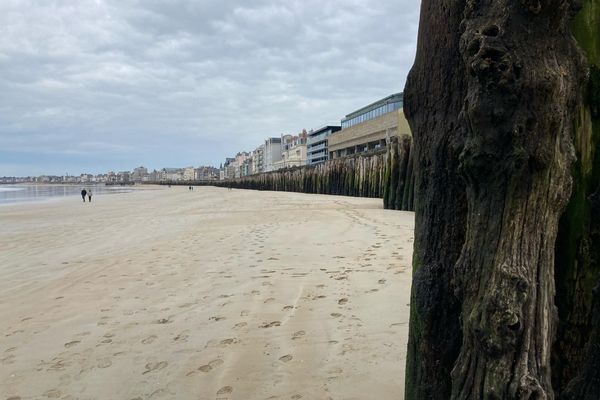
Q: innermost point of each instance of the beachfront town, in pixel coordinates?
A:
(365, 130)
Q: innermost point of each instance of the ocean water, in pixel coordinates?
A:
(25, 193)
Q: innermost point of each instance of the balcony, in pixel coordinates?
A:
(313, 149)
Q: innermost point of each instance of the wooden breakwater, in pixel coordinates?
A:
(386, 174)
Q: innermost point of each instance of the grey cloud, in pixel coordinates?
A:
(145, 80)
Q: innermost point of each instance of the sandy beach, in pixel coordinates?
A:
(210, 294)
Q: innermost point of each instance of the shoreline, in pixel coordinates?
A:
(107, 190)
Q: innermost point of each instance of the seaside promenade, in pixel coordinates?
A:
(172, 294)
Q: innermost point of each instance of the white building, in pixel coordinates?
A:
(171, 174)
(189, 174)
(139, 174)
(272, 153)
(294, 153)
(258, 159)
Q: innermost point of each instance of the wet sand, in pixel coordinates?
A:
(211, 294)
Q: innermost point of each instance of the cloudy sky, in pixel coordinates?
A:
(97, 85)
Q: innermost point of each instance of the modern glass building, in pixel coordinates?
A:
(317, 144)
(374, 110)
(369, 128)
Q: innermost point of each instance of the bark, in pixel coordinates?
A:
(491, 99)
(433, 98)
(404, 154)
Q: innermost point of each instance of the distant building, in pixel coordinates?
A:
(124, 177)
(139, 174)
(189, 174)
(228, 168)
(171, 174)
(241, 160)
(83, 178)
(272, 153)
(317, 150)
(293, 153)
(206, 174)
(246, 167)
(111, 176)
(258, 160)
(153, 176)
(369, 127)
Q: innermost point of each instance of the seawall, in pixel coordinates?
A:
(385, 174)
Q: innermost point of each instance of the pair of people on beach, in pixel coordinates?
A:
(88, 193)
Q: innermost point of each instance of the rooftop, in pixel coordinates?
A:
(323, 129)
(394, 98)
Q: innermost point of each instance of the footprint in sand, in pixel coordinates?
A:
(182, 337)
(53, 394)
(205, 368)
(104, 363)
(159, 393)
(225, 390)
(73, 343)
(245, 313)
(227, 342)
(14, 398)
(210, 366)
(342, 301)
(287, 308)
(163, 321)
(269, 324)
(216, 363)
(336, 315)
(298, 335)
(269, 300)
(155, 366)
(10, 359)
(149, 339)
(217, 318)
(286, 358)
(240, 325)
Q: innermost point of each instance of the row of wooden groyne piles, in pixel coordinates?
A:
(386, 174)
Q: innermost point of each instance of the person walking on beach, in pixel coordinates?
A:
(83, 193)
(89, 193)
